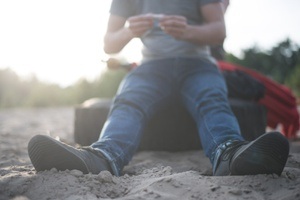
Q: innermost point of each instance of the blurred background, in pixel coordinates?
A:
(51, 51)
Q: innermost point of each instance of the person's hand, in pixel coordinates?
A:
(174, 25)
(140, 24)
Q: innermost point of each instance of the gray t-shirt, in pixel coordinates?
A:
(156, 43)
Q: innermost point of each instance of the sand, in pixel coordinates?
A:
(150, 175)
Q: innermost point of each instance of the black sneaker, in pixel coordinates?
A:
(265, 155)
(46, 153)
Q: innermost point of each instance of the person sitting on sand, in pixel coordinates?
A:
(177, 63)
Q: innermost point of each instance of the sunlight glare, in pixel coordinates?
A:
(62, 40)
(59, 41)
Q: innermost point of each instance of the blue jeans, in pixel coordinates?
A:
(152, 85)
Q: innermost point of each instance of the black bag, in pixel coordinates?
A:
(242, 86)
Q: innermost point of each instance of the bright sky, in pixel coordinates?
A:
(61, 40)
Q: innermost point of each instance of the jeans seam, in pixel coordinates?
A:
(146, 118)
(206, 126)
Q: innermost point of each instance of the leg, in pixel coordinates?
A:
(141, 93)
(204, 94)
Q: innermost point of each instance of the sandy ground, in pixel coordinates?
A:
(151, 175)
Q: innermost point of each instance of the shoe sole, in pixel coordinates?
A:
(46, 153)
(266, 155)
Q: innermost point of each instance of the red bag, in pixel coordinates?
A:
(279, 100)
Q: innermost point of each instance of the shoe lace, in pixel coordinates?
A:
(229, 149)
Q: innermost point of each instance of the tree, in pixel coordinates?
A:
(280, 63)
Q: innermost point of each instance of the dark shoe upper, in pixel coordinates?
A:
(95, 161)
(265, 155)
(47, 153)
(223, 156)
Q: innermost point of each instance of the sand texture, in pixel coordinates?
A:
(150, 175)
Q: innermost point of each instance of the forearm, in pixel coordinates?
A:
(207, 34)
(212, 31)
(114, 42)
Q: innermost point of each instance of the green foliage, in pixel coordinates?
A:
(294, 80)
(278, 63)
(281, 63)
(12, 90)
(15, 92)
(107, 84)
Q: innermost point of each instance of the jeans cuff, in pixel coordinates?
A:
(113, 165)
